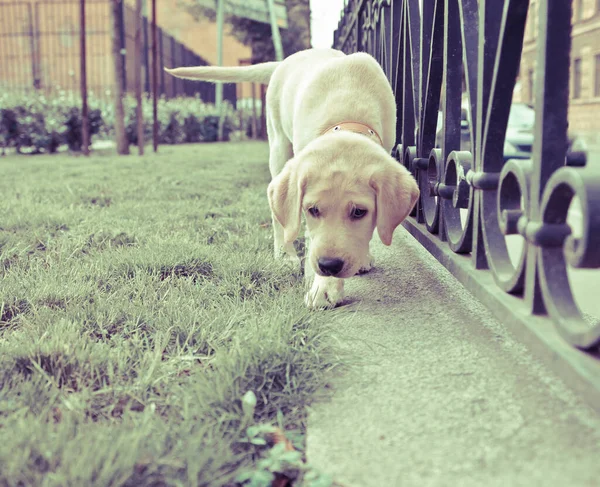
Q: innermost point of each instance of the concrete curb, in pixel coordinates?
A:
(441, 393)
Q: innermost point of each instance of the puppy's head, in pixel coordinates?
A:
(347, 186)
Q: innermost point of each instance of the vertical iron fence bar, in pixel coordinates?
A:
(3, 57)
(154, 80)
(458, 234)
(138, 25)
(408, 84)
(34, 67)
(357, 30)
(389, 42)
(378, 28)
(413, 26)
(452, 74)
(183, 60)
(122, 41)
(146, 56)
(28, 9)
(161, 62)
(469, 21)
(415, 75)
(432, 82)
(398, 13)
(489, 13)
(54, 75)
(427, 14)
(505, 71)
(430, 103)
(85, 127)
(21, 71)
(551, 121)
(63, 73)
(174, 80)
(504, 75)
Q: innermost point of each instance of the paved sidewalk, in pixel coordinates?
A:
(441, 394)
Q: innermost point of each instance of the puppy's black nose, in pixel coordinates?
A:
(330, 267)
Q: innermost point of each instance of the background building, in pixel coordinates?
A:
(584, 97)
(39, 47)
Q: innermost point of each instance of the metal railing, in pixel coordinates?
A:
(39, 49)
(439, 55)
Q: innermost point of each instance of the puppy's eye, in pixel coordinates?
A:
(314, 211)
(358, 213)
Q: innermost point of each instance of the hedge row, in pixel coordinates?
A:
(35, 123)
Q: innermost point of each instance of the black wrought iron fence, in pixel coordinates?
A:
(39, 49)
(522, 235)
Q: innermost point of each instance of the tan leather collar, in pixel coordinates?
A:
(356, 127)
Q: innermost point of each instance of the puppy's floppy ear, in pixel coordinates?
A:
(285, 199)
(397, 193)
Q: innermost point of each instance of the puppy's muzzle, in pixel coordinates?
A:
(330, 266)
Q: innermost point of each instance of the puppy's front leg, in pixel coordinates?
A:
(325, 292)
(368, 264)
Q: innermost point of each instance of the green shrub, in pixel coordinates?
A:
(42, 125)
(38, 123)
(179, 120)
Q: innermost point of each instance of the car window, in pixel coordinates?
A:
(521, 116)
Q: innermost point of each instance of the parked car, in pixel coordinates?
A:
(518, 143)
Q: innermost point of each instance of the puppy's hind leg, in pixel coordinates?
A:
(285, 251)
(279, 153)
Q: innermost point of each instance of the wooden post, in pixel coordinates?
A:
(154, 79)
(138, 76)
(85, 127)
(121, 136)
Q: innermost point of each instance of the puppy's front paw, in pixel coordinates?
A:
(326, 292)
(288, 257)
(368, 264)
(291, 260)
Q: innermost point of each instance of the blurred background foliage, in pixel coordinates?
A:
(257, 35)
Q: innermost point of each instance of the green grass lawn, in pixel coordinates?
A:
(139, 302)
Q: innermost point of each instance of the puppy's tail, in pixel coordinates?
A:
(259, 73)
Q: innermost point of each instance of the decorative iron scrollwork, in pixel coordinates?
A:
(471, 197)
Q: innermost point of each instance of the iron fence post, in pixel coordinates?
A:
(473, 198)
(85, 127)
(121, 13)
(154, 80)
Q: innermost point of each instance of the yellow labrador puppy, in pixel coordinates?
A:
(331, 122)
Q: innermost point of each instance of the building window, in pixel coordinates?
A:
(597, 76)
(533, 20)
(577, 78)
(531, 86)
(579, 10)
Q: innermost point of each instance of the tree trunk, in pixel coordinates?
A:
(121, 136)
(299, 23)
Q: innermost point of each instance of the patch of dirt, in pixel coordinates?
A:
(104, 240)
(194, 269)
(9, 311)
(102, 201)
